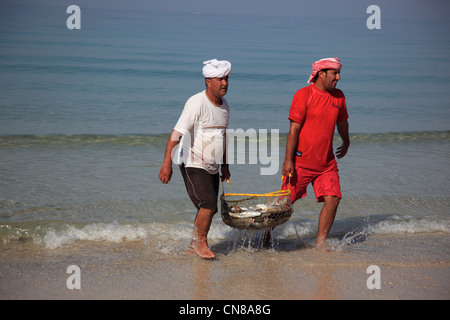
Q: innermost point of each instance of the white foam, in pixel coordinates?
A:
(172, 237)
(394, 225)
(410, 225)
(165, 237)
(297, 229)
(111, 232)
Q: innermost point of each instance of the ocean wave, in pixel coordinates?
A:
(52, 235)
(348, 232)
(410, 225)
(173, 237)
(400, 137)
(160, 139)
(74, 140)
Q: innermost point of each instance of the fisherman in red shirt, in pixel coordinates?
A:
(315, 112)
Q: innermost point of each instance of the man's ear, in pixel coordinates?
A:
(323, 74)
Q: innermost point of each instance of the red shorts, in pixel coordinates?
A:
(324, 183)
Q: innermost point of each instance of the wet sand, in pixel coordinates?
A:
(411, 267)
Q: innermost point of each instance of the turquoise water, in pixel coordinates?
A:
(85, 114)
(130, 72)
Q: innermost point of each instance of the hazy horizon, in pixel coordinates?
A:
(401, 9)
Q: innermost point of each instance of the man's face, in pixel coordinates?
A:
(330, 78)
(218, 86)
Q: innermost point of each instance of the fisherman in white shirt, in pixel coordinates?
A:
(202, 130)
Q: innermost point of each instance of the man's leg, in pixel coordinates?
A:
(203, 190)
(326, 218)
(199, 243)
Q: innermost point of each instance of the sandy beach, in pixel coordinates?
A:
(409, 269)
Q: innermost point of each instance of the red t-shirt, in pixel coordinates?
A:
(318, 111)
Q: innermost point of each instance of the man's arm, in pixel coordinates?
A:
(224, 167)
(291, 148)
(342, 127)
(165, 173)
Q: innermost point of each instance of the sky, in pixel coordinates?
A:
(412, 9)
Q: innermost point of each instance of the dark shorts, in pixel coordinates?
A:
(202, 187)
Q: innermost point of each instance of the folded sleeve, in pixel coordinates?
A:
(187, 118)
(343, 114)
(297, 112)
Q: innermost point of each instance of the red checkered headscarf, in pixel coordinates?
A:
(327, 63)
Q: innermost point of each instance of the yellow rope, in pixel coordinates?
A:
(270, 194)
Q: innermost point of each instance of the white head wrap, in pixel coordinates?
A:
(216, 69)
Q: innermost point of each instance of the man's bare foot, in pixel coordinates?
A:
(323, 246)
(201, 248)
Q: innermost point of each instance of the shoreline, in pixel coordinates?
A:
(411, 267)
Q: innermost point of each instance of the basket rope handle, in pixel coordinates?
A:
(223, 188)
(282, 180)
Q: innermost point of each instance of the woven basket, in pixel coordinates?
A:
(256, 211)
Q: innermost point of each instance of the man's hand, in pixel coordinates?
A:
(342, 150)
(288, 168)
(291, 147)
(165, 173)
(225, 173)
(342, 127)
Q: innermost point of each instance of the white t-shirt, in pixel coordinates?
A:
(203, 126)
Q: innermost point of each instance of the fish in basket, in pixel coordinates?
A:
(256, 211)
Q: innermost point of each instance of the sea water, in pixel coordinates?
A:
(85, 116)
